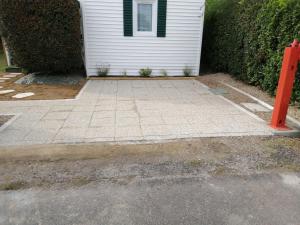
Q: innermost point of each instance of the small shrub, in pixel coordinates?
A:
(187, 71)
(146, 72)
(103, 70)
(124, 73)
(164, 73)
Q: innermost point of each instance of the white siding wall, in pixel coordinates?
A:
(106, 44)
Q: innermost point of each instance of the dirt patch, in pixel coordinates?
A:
(4, 119)
(78, 165)
(41, 91)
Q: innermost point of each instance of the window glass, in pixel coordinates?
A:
(144, 17)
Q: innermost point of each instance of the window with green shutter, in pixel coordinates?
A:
(145, 17)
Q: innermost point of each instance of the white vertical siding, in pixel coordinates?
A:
(106, 44)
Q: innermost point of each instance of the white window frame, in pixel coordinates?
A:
(135, 18)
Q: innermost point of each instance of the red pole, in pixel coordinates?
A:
(285, 86)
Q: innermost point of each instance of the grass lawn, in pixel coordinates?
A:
(2, 60)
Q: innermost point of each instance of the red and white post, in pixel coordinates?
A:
(285, 87)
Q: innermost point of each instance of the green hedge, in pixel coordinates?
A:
(43, 35)
(247, 38)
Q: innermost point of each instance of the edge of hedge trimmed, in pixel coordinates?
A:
(247, 38)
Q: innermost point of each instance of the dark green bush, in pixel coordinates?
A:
(43, 35)
(247, 38)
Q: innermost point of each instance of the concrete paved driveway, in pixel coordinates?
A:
(129, 110)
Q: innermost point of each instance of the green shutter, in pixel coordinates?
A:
(161, 18)
(127, 17)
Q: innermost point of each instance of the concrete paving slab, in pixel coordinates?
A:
(41, 134)
(15, 74)
(126, 114)
(87, 108)
(104, 114)
(23, 95)
(102, 122)
(49, 124)
(152, 120)
(255, 107)
(56, 116)
(61, 108)
(78, 119)
(100, 132)
(127, 121)
(122, 110)
(10, 75)
(4, 92)
(128, 131)
(13, 135)
(22, 123)
(70, 133)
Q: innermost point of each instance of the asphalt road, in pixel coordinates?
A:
(233, 200)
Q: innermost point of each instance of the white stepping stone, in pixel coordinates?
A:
(1, 87)
(6, 92)
(2, 81)
(4, 78)
(10, 76)
(16, 74)
(254, 107)
(23, 95)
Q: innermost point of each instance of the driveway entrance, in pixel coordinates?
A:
(129, 110)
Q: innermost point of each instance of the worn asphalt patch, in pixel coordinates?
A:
(260, 199)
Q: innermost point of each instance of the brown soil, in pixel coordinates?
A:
(217, 80)
(42, 92)
(77, 165)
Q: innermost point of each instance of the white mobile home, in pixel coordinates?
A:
(128, 35)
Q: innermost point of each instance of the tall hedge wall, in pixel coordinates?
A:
(246, 38)
(43, 35)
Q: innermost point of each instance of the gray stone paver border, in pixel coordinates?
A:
(129, 110)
